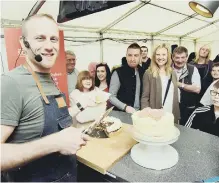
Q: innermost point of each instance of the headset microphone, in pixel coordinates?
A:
(38, 57)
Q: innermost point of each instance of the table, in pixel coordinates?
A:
(198, 159)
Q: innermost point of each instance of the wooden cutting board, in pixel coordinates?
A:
(101, 154)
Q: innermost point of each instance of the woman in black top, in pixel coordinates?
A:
(204, 66)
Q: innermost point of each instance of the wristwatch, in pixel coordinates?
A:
(79, 106)
(183, 85)
(125, 107)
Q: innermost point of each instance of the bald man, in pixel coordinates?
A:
(38, 143)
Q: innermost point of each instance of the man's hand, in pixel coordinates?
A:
(130, 109)
(70, 140)
(179, 84)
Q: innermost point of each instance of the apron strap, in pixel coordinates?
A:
(37, 82)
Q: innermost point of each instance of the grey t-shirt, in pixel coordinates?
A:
(21, 104)
(72, 80)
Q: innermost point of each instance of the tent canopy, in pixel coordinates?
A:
(151, 18)
(151, 22)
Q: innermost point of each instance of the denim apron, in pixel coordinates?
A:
(54, 167)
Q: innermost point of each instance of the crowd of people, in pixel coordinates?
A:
(174, 81)
(38, 141)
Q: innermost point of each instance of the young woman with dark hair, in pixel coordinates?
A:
(102, 77)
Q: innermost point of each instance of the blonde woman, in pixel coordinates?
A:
(204, 66)
(160, 84)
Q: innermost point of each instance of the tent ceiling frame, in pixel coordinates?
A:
(107, 29)
(140, 33)
(36, 7)
(208, 34)
(79, 27)
(17, 23)
(200, 28)
(177, 12)
(175, 24)
(122, 17)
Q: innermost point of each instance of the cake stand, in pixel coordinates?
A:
(155, 153)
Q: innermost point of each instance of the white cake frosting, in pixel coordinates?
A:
(116, 124)
(153, 122)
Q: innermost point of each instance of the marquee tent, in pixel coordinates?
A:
(104, 36)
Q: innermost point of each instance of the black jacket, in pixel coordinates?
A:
(127, 79)
(188, 98)
(203, 118)
(207, 79)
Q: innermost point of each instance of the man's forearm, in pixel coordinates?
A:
(116, 102)
(190, 88)
(14, 155)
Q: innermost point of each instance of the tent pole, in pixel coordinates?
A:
(200, 28)
(152, 45)
(180, 41)
(131, 11)
(195, 45)
(101, 47)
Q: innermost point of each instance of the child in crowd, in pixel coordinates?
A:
(206, 118)
(86, 90)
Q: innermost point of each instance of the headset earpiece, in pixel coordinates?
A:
(26, 44)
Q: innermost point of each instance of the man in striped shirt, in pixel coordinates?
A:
(189, 83)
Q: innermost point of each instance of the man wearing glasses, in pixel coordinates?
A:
(206, 118)
(71, 70)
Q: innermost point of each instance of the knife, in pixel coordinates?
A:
(98, 121)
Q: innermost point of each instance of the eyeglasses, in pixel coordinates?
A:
(214, 93)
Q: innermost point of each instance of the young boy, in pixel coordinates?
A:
(215, 71)
(206, 118)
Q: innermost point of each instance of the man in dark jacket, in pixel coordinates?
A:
(206, 118)
(126, 82)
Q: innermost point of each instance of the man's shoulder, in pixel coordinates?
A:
(190, 66)
(11, 76)
(76, 71)
(18, 71)
(192, 69)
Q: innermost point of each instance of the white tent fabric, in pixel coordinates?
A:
(157, 21)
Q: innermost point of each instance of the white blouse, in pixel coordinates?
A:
(97, 97)
(168, 105)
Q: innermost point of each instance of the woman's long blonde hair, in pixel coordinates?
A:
(154, 68)
(208, 57)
